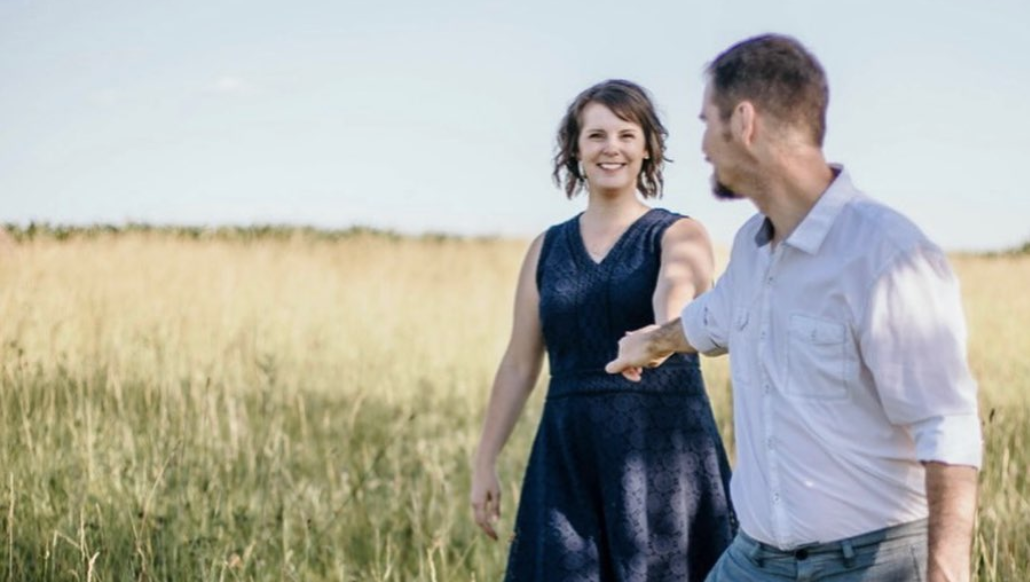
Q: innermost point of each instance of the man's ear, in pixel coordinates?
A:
(743, 122)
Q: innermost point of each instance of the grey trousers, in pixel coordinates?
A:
(894, 554)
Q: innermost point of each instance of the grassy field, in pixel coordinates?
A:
(304, 408)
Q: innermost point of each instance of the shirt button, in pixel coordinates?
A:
(768, 389)
(776, 497)
(769, 443)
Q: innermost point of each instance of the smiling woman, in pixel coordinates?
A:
(611, 150)
(618, 106)
(647, 452)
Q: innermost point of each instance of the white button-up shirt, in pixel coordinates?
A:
(847, 351)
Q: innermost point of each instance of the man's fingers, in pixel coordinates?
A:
(620, 366)
(615, 366)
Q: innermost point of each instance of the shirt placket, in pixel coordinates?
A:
(780, 523)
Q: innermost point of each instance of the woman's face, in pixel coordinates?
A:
(611, 150)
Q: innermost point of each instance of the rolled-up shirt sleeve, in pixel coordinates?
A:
(706, 319)
(913, 341)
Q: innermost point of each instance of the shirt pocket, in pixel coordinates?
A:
(816, 358)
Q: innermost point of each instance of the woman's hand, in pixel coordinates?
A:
(486, 499)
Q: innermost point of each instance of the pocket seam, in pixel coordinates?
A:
(802, 331)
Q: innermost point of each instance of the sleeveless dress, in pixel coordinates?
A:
(626, 481)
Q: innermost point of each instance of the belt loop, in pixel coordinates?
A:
(756, 554)
(849, 553)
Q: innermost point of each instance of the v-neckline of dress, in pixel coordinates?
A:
(581, 244)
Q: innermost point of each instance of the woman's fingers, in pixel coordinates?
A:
(487, 511)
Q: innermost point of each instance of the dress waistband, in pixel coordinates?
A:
(675, 379)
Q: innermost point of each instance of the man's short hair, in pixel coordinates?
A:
(779, 76)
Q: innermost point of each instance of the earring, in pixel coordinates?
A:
(580, 171)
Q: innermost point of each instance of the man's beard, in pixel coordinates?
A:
(722, 191)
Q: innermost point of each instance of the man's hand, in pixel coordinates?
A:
(635, 354)
(648, 347)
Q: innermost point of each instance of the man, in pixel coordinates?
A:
(858, 438)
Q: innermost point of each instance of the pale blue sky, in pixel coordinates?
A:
(440, 116)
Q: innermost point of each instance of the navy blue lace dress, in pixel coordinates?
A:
(626, 482)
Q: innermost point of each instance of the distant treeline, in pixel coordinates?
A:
(47, 231)
(1024, 249)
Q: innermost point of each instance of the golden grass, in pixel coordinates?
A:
(304, 409)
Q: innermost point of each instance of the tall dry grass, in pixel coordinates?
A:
(304, 409)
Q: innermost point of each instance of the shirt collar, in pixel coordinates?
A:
(809, 235)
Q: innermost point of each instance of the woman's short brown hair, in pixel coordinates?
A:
(630, 102)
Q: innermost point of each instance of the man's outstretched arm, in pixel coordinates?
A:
(648, 347)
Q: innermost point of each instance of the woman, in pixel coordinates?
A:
(626, 481)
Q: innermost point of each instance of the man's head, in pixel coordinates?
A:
(781, 79)
(763, 94)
